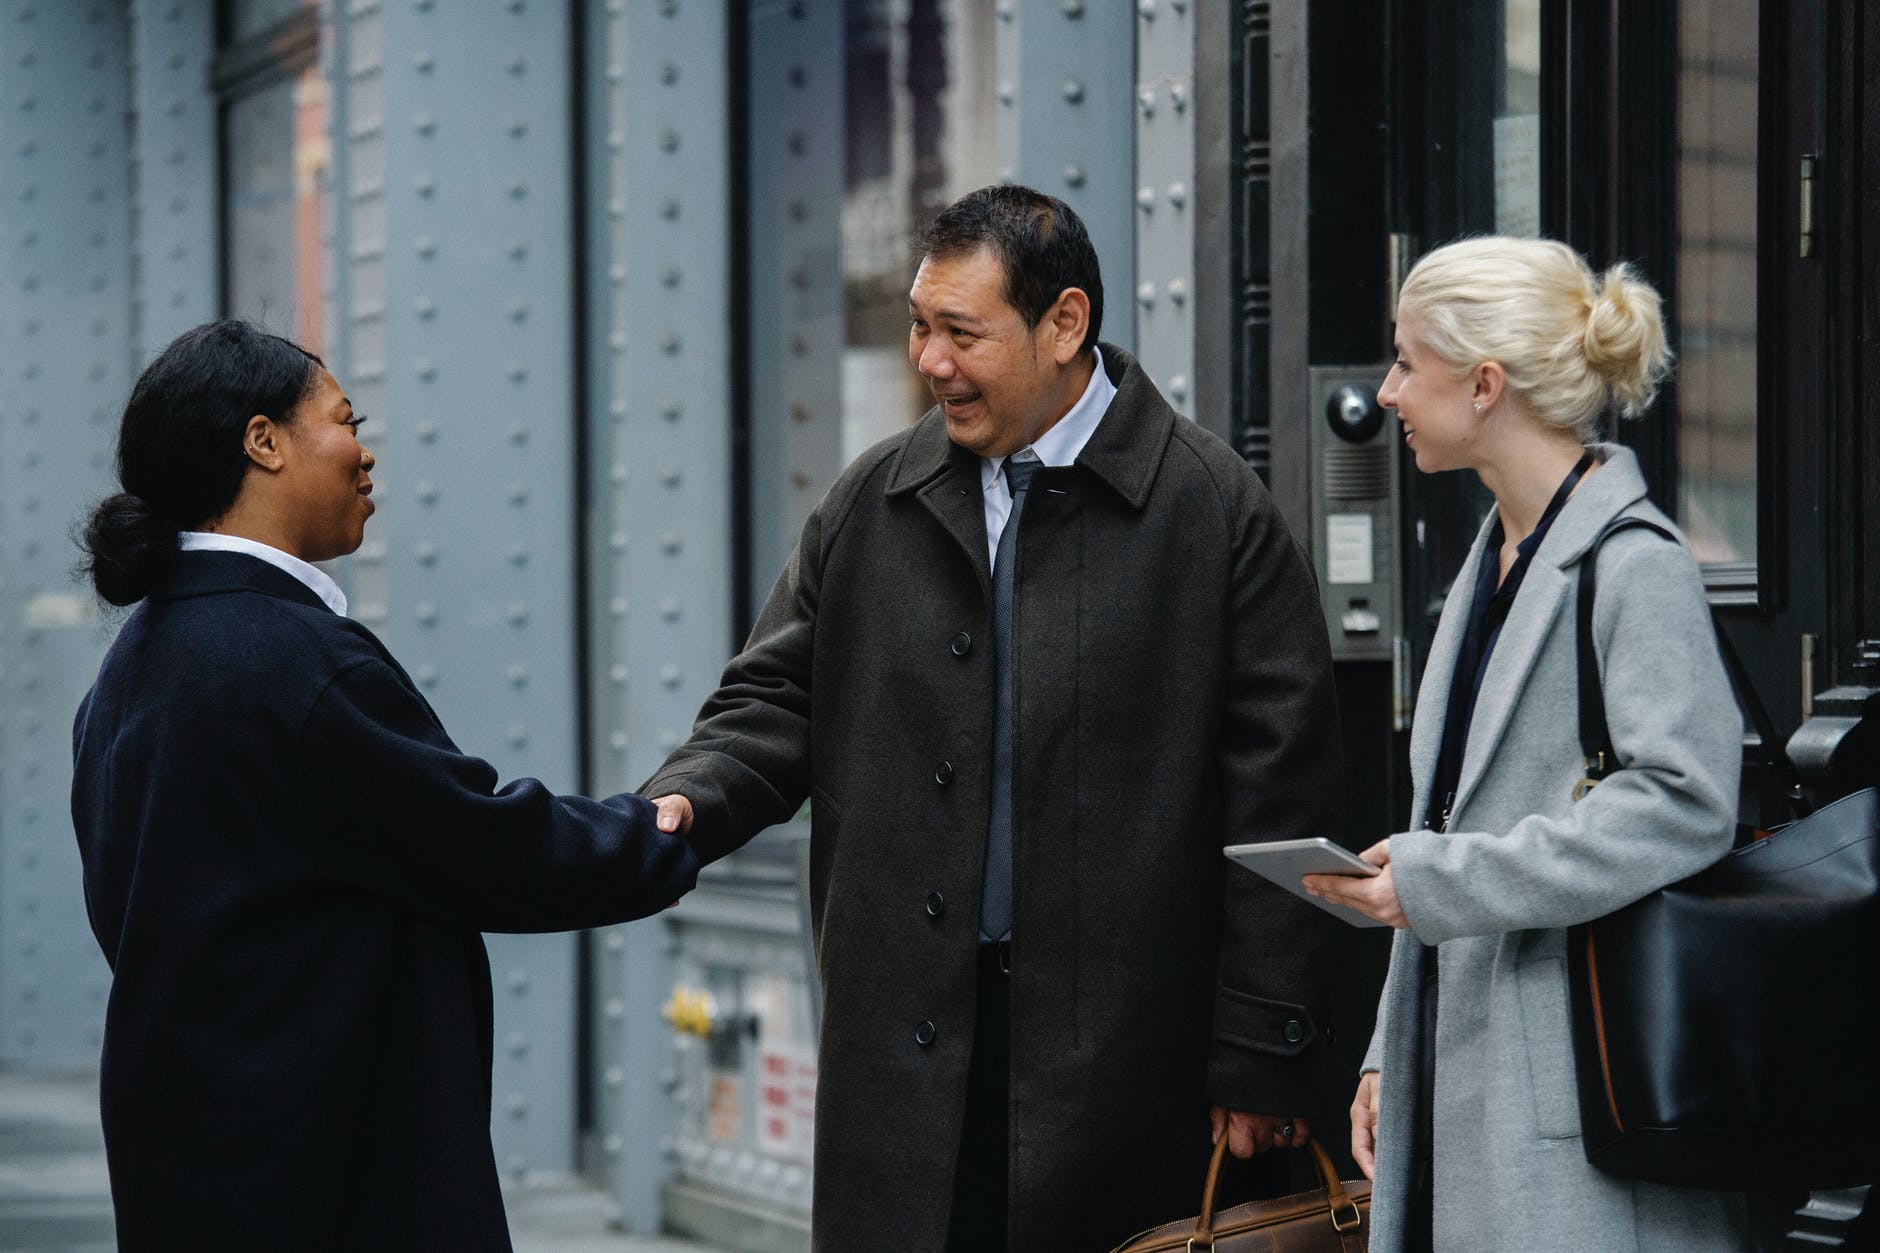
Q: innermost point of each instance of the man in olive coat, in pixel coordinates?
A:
(1044, 987)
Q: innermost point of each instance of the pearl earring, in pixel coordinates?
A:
(1478, 408)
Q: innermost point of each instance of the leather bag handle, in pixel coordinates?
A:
(1339, 1205)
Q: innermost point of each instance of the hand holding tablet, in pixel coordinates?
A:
(1286, 862)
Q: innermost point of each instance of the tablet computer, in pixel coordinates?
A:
(1286, 862)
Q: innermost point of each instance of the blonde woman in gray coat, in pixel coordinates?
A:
(1509, 353)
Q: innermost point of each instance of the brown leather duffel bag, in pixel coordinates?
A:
(1332, 1218)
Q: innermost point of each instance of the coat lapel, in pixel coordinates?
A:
(1551, 576)
(1529, 621)
(945, 477)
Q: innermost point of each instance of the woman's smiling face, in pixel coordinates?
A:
(330, 484)
(1434, 402)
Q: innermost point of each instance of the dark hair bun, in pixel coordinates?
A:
(128, 548)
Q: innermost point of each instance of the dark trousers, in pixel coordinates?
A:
(980, 1181)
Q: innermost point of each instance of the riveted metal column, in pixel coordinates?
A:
(173, 213)
(1067, 74)
(795, 255)
(659, 531)
(458, 272)
(1165, 177)
(64, 373)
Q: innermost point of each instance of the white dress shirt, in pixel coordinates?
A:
(1058, 446)
(315, 578)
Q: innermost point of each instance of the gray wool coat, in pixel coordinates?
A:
(1173, 694)
(1521, 862)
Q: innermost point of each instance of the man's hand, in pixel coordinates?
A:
(675, 814)
(1364, 1125)
(1375, 897)
(1248, 1134)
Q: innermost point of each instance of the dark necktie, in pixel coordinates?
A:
(995, 904)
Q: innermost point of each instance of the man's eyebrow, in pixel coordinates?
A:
(947, 315)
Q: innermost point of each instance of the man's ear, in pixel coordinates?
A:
(1066, 322)
(261, 440)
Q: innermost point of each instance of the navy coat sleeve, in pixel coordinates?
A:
(405, 814)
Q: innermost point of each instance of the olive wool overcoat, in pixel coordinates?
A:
(1173, 694)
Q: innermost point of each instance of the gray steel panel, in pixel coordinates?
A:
(659, 529)
(795, 164)
(173, 154)
(1067, 125)
(1165, 181)
(459, 345)
(64, 373)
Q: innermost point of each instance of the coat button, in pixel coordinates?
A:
(1294, 1031)
(944, 775)
(923, 1034)
(962, 643)
(936, 904)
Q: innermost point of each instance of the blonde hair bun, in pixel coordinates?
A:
(1625, 339)
(1570, 344)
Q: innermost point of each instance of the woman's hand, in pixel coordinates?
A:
(1375, 897)
(1364, 1125)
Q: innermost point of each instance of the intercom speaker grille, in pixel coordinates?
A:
(1361, 473)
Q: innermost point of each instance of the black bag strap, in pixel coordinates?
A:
(1596, 737)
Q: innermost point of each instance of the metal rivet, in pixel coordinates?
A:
(1145, 100)
(1178, 291)
(1074, 175)
(1145, 199)
(1073, 90)
(1178, 194)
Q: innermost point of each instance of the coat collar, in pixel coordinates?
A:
(1617, 487)
(213, 573)
(1124, 451)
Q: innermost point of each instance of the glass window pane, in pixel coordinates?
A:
(1716, 278)
(252, 17)
(921, 131)
(277, 154)
(1518, 122)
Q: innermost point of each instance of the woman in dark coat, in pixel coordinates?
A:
(287, 861)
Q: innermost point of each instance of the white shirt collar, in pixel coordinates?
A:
(1060, 445)
(316, 579)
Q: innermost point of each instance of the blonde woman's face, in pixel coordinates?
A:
(1436, 408)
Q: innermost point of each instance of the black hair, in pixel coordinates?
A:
(1039, 241)
(179, 456)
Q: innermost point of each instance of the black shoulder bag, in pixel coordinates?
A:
(1726, 1029)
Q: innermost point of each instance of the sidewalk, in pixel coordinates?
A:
(55, 1196)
